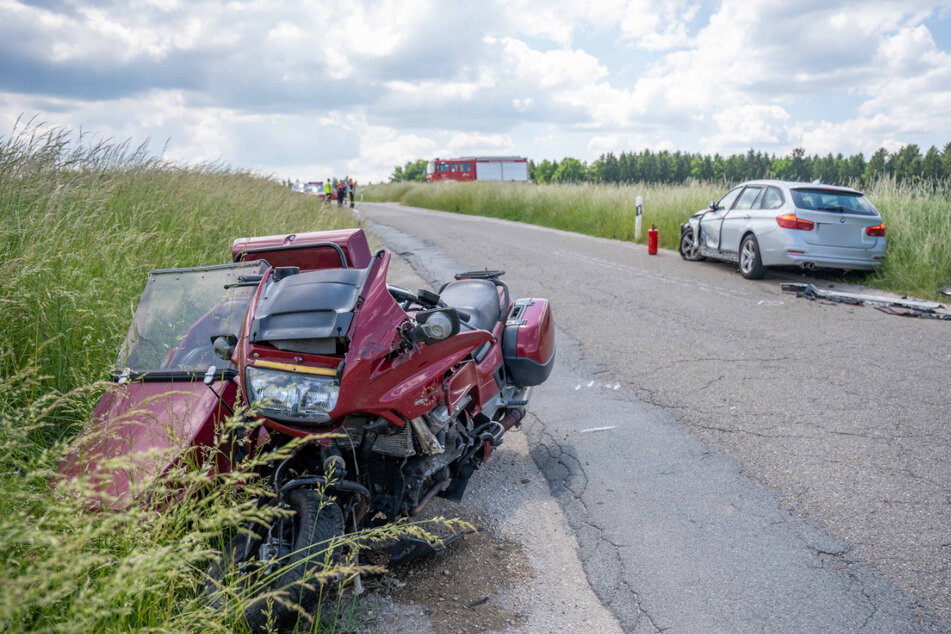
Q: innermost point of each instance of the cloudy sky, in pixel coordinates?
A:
(310, 89)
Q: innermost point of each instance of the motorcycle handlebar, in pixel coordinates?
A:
(403, 295)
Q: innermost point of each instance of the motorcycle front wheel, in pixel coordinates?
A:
(307, 548)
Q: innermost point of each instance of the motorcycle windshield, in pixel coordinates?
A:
(179, 312)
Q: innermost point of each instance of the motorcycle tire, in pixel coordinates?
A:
(313, 526)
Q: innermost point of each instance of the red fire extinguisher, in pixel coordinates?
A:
(652, 240)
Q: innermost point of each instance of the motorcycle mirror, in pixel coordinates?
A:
(433, 326)
(224, 345)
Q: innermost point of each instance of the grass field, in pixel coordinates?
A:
(917, 216)
(81, 224)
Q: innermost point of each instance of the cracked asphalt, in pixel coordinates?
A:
(729, 457)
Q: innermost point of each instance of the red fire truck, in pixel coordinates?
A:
(478, 168)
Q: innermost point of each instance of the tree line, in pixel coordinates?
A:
(907, 164)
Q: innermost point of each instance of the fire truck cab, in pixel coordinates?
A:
(478, 168)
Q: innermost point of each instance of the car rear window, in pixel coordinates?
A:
(832, 200)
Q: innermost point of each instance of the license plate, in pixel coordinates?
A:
(840, 235)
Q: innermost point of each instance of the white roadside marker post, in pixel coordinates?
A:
(637, 218)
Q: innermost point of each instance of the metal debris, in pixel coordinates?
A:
(904, 306)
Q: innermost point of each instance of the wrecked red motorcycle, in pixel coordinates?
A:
(303, 329)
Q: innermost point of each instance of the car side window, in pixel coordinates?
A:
(750, 194)
(727, 201)
(772, 199)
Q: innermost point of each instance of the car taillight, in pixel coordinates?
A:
(877, 230)
(790, 221)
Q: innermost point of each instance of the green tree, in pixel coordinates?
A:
(907, 164)
(824, 169)
(719, 167)
(544, 171)
(696, 167)
(781, 168)
(931, 165)
(412, 171)
(799, 169)
(946, 161)
(856, 167)
(415, 171)
(735, 171)
(877, 166)
(570, 170)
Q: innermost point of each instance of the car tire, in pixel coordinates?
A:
(750, 260)
(688, 250)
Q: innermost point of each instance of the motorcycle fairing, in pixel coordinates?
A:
(166, 413)
(153, 424)
(381, 374)
(409, 382)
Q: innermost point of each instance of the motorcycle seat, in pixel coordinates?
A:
(479, 298)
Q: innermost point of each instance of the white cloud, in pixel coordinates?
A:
(752, 125)
(548, 69)
(617, 143)
(650, 25)
(382, 82)
(466, 143)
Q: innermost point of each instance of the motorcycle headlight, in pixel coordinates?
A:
(290, 396)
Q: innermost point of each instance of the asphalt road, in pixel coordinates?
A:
(731, 458)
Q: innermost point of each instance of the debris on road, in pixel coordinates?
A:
(903, 306)
(594, 429)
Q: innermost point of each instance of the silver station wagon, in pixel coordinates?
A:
(777, 223)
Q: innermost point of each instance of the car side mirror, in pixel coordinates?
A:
(433, 326)
(713, 206)
(224, 345)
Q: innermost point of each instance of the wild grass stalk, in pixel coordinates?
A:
(917, 216)
(70, 563)
(82, 221)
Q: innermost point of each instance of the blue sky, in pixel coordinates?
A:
(312, 89)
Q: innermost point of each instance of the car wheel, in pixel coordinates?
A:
(689, 250)
(751, 263)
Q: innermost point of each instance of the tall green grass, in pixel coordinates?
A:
(82, 221)
(917, 216)
(69, 566)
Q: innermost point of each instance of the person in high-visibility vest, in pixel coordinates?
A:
(341, 191)
(327, 196)
(351, 187)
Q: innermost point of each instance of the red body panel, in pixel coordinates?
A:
(156, 423)
(353, 242)
(536, 336)
(409, 384)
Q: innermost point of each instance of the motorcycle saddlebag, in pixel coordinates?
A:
(528, 343)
